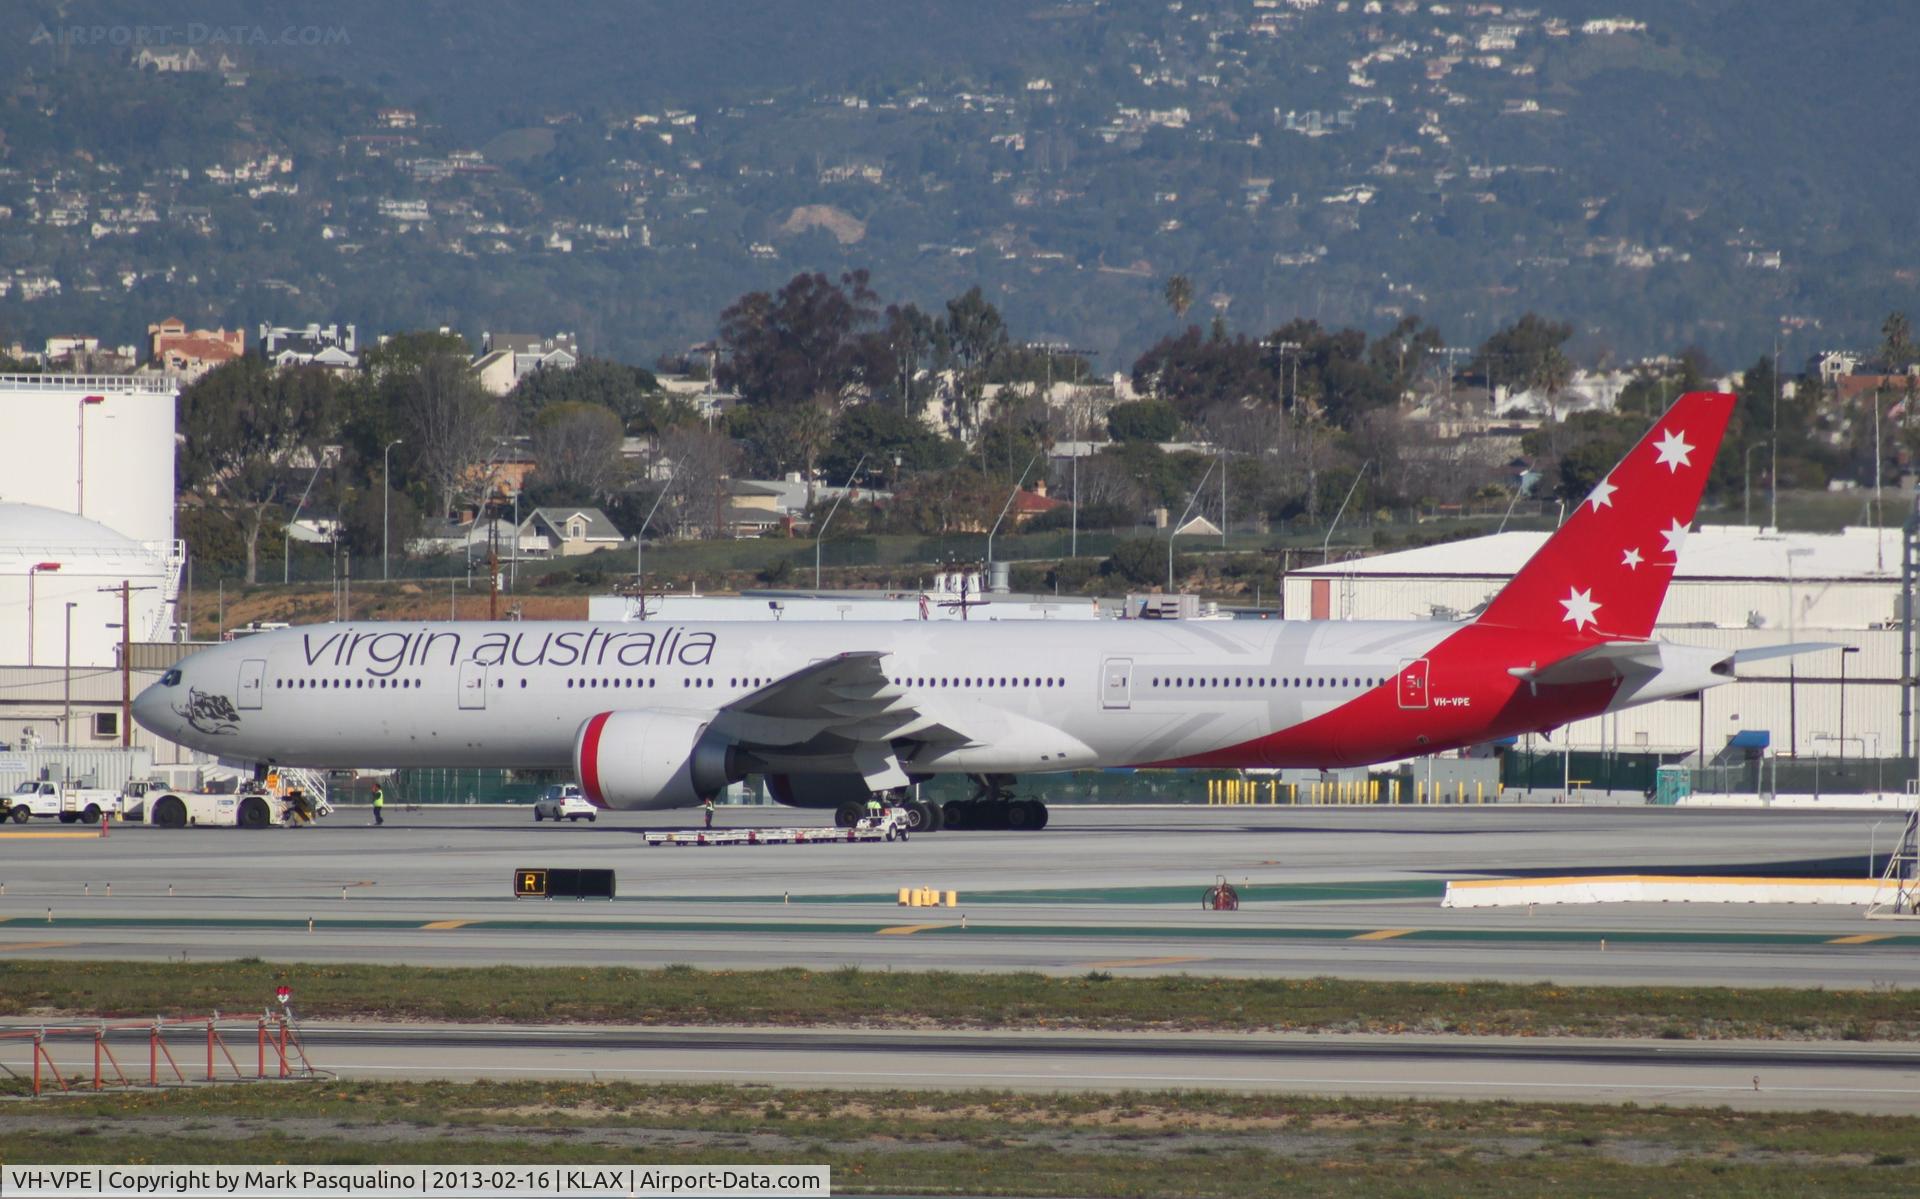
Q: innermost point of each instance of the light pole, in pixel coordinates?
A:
(32, 571)
(66, 705)
(1844, 651)
(286, 537)
(821, 534)
(1746, 483)
(86, 402)
(1011, 496)
(640, 542)
(1175, 530)
(386, 490)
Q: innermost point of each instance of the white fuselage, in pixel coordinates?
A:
(1029, 696)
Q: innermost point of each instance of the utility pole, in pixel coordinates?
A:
(1773, 468)
(126, 590)
(66, 703)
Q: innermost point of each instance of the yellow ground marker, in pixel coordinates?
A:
(1861, 938)
(446, 924)
(1385, 934)
(906, 930)
(93, 834)
(1124, 963)
(18, 946)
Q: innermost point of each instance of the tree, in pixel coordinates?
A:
(452, 427)
(246, 432)
(900, 350)
(696, 499)
(974, 337)
(627, 391)
(1526, 353)
(800, 344)
(577, 447)
(1143, 420)
(880, 434)
(1896, 342)
(1178, 293)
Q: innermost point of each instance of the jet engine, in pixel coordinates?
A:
(640, 759)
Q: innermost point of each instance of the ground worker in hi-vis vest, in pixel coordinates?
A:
(379, 802)
(706, 806)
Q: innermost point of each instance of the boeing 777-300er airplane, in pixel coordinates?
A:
(652, 715)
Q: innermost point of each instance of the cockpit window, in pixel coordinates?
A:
(170, 679)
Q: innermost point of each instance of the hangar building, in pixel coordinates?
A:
(1736, 587)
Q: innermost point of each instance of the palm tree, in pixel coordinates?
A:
(1179, 295)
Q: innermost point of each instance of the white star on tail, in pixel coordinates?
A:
(1580, 607)
(1602, 496)
(1676, 537)
(1631, 559)
(1673, 450)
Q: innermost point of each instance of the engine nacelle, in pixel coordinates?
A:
(818, 790)
(640, 759)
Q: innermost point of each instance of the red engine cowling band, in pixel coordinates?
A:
(650, 760)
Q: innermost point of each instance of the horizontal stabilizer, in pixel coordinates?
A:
(1792, 649)
(1607, 660)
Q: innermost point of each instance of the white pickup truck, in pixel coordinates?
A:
(43, 797)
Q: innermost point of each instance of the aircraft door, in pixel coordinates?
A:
(1116, 683)
(473, 685)
(253, 674)
(1412, 683)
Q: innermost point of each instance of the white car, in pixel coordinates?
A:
(567, 805)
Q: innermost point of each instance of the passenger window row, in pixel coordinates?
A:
(1225, 682)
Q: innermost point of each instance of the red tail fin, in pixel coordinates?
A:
(1603, 574)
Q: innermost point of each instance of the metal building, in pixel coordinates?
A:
(1735, 587)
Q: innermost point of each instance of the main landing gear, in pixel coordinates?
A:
(992, 806)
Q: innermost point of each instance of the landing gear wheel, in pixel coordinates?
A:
(1040, 814)
(922, 817)
(1021, 815)
(956, 814)
(849, 814)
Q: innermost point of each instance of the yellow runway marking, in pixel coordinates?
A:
(51, 836)
(903, 930)
(1385, 934)
(1861, 938)
(11, 946)
(446, 924)
(1123, 963)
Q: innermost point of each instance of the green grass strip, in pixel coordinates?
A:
(1106, 1145)
(848, 996)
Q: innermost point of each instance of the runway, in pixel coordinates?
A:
(1345, 891)
(1745, 1075)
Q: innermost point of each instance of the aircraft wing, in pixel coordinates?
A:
(844, 702)
(845, 696)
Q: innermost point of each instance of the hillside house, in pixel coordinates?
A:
(186, 354)
(507, 358)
